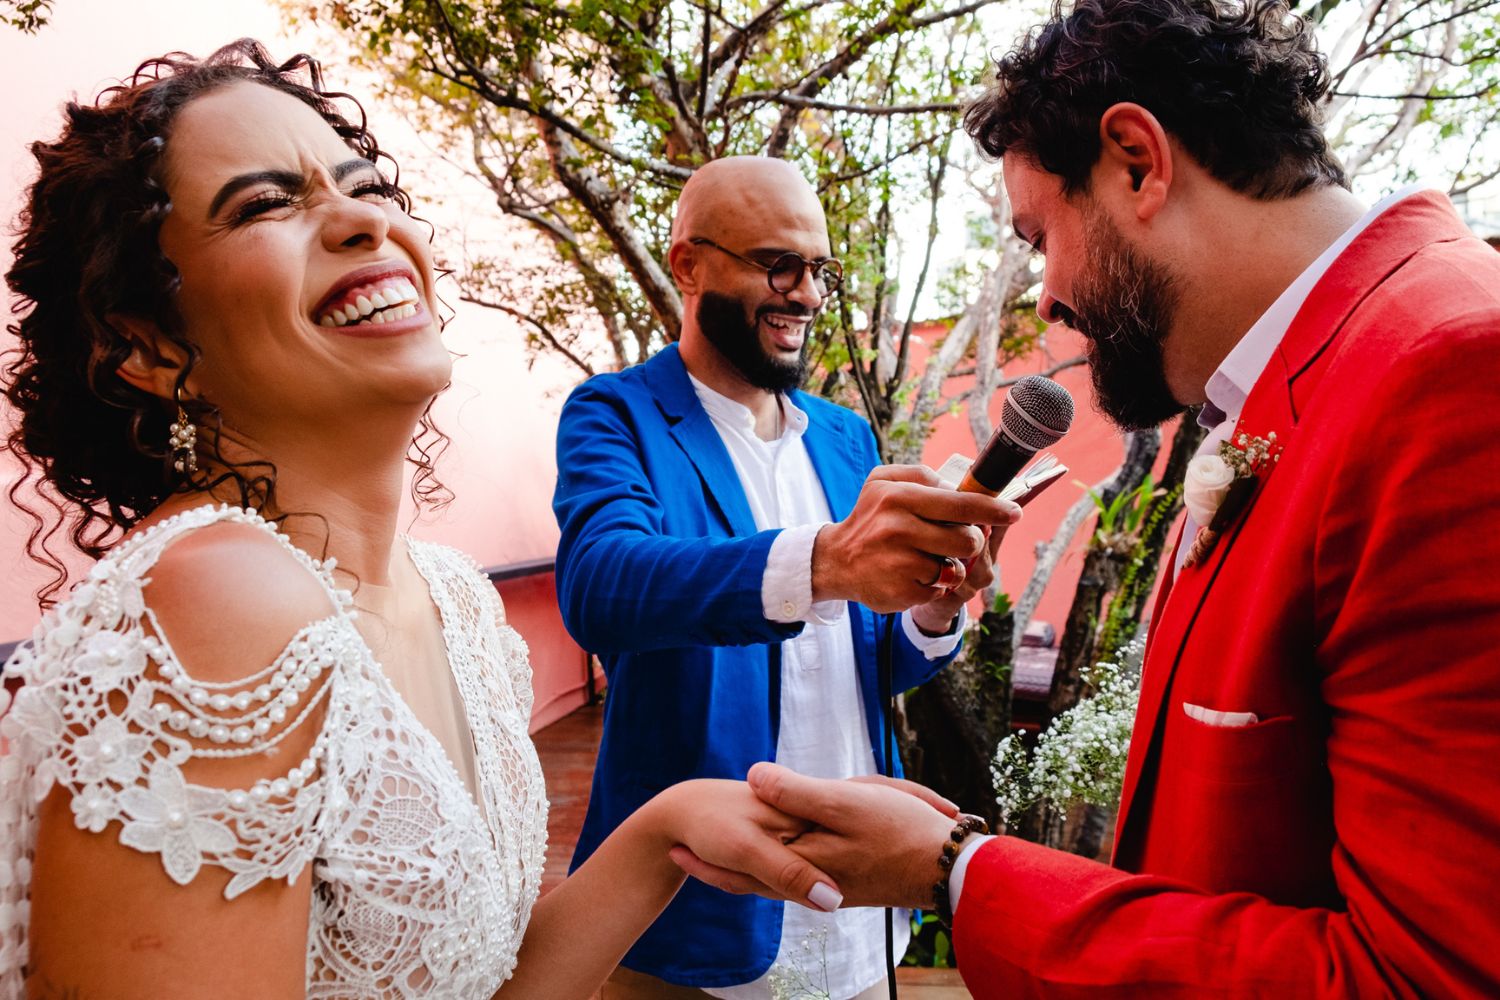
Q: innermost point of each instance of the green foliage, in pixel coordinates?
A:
(931, 944)
(1120, 518)
(1129, 599)
(26, 16)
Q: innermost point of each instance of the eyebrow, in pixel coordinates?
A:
(285, 179)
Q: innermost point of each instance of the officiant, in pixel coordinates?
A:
(735, 553)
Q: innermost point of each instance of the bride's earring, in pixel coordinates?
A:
(183, 439)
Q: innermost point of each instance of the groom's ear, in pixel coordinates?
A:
(1136, 166)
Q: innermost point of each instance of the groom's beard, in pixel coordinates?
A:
(1123, 306)
(722, 320)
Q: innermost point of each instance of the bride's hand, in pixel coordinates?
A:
(881, 836)
(739, 843)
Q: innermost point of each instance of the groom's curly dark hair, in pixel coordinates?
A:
(1238, 82)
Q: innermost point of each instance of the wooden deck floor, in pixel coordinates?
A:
(567, 748)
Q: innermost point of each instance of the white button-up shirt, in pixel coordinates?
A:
(823, 727)
(1230, 384)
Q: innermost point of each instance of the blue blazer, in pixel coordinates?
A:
(659, 573)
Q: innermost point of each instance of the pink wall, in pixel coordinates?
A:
(558, 665)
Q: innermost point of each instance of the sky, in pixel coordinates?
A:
(501, 412)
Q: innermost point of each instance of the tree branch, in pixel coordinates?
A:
(1384, 40)
(878, 110)
(1061, 366)
(476, 81)
(829, 182)
(1487, 91)
(935, 194)
(813, 82)
(541, 328)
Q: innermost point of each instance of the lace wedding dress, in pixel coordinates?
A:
(417, 890)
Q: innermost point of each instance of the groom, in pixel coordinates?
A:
(1311, 803)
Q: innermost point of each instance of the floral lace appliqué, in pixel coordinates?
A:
(417, 892)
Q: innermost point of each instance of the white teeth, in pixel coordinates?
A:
(397, 300)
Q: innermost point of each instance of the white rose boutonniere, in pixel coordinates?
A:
(1207, 483)
(1218, 487)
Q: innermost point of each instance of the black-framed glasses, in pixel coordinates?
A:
(785, 273)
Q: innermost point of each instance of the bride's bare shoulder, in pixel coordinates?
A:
(229, 595)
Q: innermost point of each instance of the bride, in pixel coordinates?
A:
(268, 747)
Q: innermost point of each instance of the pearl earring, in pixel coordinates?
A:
(183, 439)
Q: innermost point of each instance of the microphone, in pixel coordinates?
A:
(1036, 414)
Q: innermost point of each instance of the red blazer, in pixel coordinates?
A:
(1347, 844)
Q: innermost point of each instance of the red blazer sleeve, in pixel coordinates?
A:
(1407, 574)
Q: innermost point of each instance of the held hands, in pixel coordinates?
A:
(879, 837)
(739, 841)
(888, 553)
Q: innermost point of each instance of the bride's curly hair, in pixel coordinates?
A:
(93, 447)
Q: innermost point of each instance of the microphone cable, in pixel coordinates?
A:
(887, 672)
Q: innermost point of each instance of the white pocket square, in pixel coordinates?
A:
(1224, 720)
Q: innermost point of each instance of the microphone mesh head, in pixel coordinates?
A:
(1037, 412)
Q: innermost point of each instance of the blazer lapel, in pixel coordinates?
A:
(1265, 413)
(1273, 405)
(694, 431)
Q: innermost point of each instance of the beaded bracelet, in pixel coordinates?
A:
(967, 824)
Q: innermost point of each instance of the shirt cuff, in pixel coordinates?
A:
(960, 866)
(935, 646)
(786, 586)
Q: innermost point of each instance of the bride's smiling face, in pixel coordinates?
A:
(304, 284)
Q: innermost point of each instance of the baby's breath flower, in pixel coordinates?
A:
(1081, 756)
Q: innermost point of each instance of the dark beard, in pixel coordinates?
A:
(722, 320)
(1124, 308)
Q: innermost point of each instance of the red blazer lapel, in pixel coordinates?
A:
(1266, 412)
(1274, 403)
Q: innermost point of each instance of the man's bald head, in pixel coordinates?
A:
(736, 218)
(746, 201)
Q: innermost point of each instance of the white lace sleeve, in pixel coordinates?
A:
(106, 711)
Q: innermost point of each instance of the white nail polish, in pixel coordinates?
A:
(825, 897)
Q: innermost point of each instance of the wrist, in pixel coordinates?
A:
(923, 869)
(654, 829)
(952, 847)
(824, 559)
(935, 618)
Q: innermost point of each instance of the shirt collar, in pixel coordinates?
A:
(1230, 384)
(732, 413)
